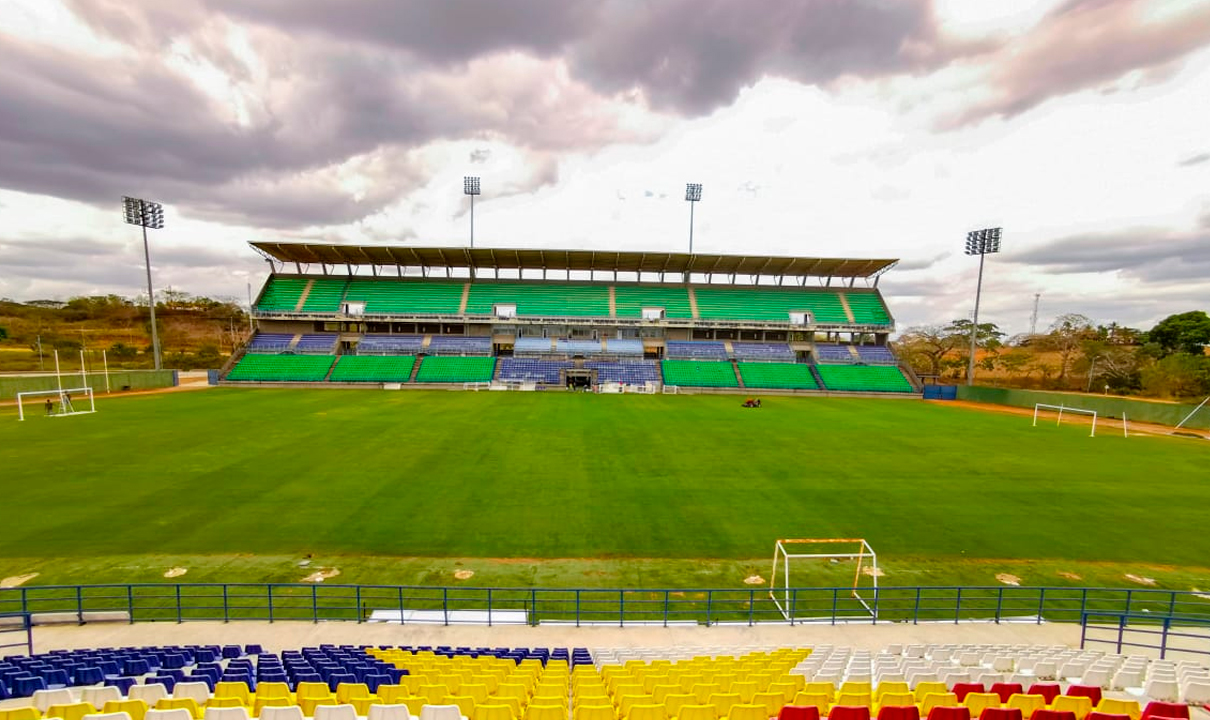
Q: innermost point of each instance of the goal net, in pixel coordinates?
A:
(826, 549)
(1044, 411)
(57, 403)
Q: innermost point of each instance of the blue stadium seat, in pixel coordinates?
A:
(88, 675)
(27, 685)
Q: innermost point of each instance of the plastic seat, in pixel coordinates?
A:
(386, 712)
(108, 716)
(44, 699)
(887, 688)
(1078, 705)
(150, 694)
(1027, 704)
(978, 702)
(494, 711)
(928, 688)
(1158, 709)
(20, 713)
(1047, 714)
(949, 712)
(98, 696)
(195, 691)
(89, 676)
(1091, 692)
(177, 714)
(289, 712)
(799, 712)
(1006, 690)
(136, 709)
(897, 699)
(1094, 715)
(335, 712)
(697, 712)
(27, 686)
(1050, 691)
(440, 712)
(1113, 706)
(70, 711)
(1000, 713)
(599, 712)
(899, 712)
(181, 703)
(538, 711)
(226, 713)
(965, 688)
(849, 712)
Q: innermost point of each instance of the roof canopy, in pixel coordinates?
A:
(495, 259)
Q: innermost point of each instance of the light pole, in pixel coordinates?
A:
(147, 214)
(693, 194)
(982, 243)
(470, 186)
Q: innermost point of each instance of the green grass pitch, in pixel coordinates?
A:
(692, 491)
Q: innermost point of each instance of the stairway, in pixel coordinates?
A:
(415, 370)
(302, 299)
(735, 366)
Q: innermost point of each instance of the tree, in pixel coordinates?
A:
(1187, 332)
(927, 345)
(3, 333)
(1014, 361)
(1178, 375)
(1066, 335)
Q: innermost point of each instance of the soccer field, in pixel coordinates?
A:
(690, 491)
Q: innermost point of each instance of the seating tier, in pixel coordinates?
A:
(543, 371)
(784, 376)
(325, 295)
(406, 297)
(634, 372)
(390, 343)
(456, 369)
(707, 350)
(629, 301)
(867, 307)
(281, 368)
(762, 351)
(696, 373)
(271, 342)
(373, 368)
(540, 300)
(282, 294)
(768, 304)
(864, 378)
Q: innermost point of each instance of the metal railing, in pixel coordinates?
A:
(1167, 634)
(20, 625)
(169, 602)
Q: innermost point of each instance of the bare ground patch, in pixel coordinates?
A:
(17, 580)
(464, 574)
(873, 572)
(1008, 579)
(754, 580)
(175, 572)
(1150, 582)
(1069, 575)
(320, 575)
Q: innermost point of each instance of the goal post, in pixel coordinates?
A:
(788, 549)
(1065, 409)
(64, 403)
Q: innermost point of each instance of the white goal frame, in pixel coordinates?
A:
(65, 405)
(783, 553)
(1063, 408)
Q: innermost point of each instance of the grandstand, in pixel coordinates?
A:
(549, 318)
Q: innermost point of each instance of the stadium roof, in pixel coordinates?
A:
(496, 259)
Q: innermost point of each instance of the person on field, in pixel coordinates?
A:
(50, 407)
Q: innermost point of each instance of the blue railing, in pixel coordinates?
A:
(171, 602)
(20, 628)
(1168, 634)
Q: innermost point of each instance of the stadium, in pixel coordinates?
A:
(337, 460)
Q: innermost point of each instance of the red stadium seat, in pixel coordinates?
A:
(1000, 714)
(899, 712)
(1091, 692)
(1094, 715)
(798, 712)
(950, 712)
(1165, 710)
(1047, 690)
(849, 712)
(964, 689)
(1007, 690)
(1044, 714)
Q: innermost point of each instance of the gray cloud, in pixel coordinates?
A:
(922, 263)
(1194, 160)
(1150, 256)
(1084, 44)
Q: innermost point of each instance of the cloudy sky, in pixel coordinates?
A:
(862, 128)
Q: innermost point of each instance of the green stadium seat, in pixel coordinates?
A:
(281, 294)
(867, 307)
(769, 304)
(325, 295)
(373, 368)
(629, 300)
(695, 373)
(556, 300)
(864, 378)
(777, 376)
(406, 297)
(456, 369)
(281, 368)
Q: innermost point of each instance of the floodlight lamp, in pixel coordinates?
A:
(470, 185)
(693, 192)
(143, 212)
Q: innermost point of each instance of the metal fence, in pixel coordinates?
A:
(1169, 634)
(16, 632)
(168, 602)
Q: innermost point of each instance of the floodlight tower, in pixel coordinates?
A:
(147, 214)
(470, 186)
(982, 243)
(693, 195)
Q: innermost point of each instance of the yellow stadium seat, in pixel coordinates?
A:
(748, 712)
(237, 690)
(28, 712)
(746, 689)
(546, 712)
(887, 688)
(493, 711)
(824, 688)
(937, 699)
(659, 692)
(70, 711)
(978, 702)
(697, 712)
(1079, 705)
(435, 694)
(810, 699)
(673, 703)
(855, 687)
(787, 689)
(451, 682)
(312, 690)
(724, 680)
(414, 704)
(308, 705)
(689, 680)
(225, 702)
(476, 690)
(1114, 706)
(703, 691)
(390, 694)
(264, 702)
(853, 699)
(136, 709)
(626, 702)
(896, 699)
(1026, 703)
(595, 712)
(650, 711)
(773, 702)
(165, 704)
(925, 688)
(723, 702)
(273, 690)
